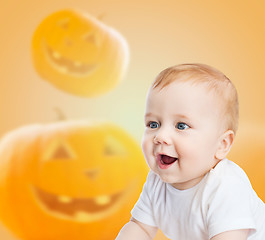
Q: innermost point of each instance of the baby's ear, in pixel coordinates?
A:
(225, 144)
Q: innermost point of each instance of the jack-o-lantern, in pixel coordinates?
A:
(249, 152)
(69, 180)
(79, 54)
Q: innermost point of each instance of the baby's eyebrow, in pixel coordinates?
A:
(181, 116)
(149, 115)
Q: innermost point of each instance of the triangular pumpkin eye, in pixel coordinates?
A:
(59, 150)
(114, 147)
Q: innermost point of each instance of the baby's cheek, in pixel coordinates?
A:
(145, 140)
(145, 148)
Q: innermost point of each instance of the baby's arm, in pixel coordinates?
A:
(241, 234)
(136, 230)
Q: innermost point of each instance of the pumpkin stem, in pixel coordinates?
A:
(61, 116)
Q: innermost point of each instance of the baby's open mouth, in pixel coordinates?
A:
(165, 161)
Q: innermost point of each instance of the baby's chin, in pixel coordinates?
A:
(166, 178)
(175, 181)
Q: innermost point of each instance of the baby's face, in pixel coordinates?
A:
(183, 129)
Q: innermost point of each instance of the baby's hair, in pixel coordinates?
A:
(213, 79)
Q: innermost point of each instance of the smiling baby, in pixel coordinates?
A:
(192, 191)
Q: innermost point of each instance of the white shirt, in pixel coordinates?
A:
(224, 200)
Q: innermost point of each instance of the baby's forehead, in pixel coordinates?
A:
(180, 92)
(200, 87)
(195, 97)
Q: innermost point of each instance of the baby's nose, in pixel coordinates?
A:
(162, 137)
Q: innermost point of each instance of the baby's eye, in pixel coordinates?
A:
(182, 126)
(153, 125)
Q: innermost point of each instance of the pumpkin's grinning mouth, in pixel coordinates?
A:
(79, 209)
(71, 206)
(67, 66)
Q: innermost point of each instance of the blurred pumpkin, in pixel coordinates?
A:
(249, 153)
(79, 54)
(69, 180)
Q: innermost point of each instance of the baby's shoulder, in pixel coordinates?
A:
(227, 169)
(227, 177)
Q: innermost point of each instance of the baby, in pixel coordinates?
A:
(192, 191)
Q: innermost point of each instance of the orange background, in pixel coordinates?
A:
(228, 35)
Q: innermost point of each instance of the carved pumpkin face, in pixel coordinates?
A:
(79, 54)
(77, 181)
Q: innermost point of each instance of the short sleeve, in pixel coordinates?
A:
(142, 210)
(229, 207)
